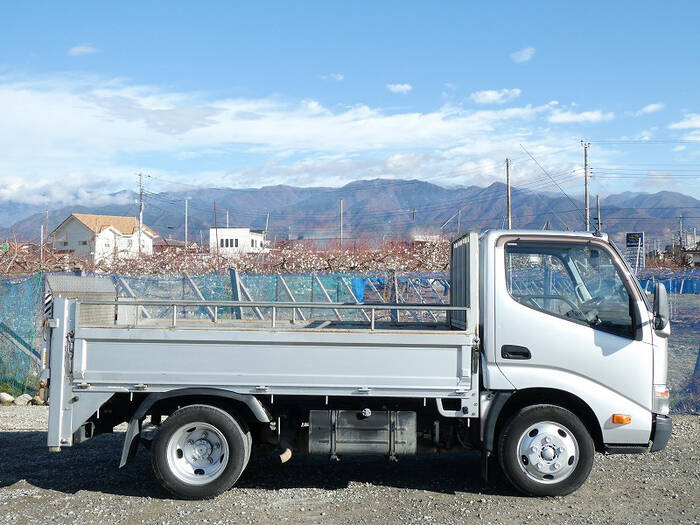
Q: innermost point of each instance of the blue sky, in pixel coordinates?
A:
(326, 93)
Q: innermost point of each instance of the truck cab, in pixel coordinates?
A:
(565, 322)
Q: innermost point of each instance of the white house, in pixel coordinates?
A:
(102, 237)
(236, 241)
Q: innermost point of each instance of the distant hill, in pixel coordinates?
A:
(372, 208)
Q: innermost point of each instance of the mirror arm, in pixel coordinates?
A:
(659, 322)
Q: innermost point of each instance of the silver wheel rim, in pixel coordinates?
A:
(197, 453)
(547, 452)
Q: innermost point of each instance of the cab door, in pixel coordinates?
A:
(567, 318)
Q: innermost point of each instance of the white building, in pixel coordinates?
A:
(236, 241)
(693, 257)
(102, 237)
(424, 235)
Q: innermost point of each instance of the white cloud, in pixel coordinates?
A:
(679, 148)
(493, 96)
(567, 117)
(650, 108)
(523, 55)
(93, 134)
(693, 136)
(690, 121)
(399, 88)
(85, 49)
(338, 77)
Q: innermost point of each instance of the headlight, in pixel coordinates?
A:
(661, 399)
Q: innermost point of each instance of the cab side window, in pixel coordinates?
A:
(577, 282)
(541, 281)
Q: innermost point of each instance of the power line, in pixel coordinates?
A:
(405, 220)
(643, 141)
(552, 179)
(586, 145)
(401, 220)
(294, 213)
(489, 164)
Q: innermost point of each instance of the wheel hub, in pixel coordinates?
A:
(198, 453)
(201, 449)
(548, 452)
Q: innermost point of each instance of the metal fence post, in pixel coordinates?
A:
(236, 291)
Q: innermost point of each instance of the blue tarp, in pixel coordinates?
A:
(677, 286)
(358, 288)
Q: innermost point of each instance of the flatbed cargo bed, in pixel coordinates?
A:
(320, 357)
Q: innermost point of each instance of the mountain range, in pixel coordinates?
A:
(379, 208)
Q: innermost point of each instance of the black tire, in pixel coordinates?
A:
(237, 440)
(514, 465)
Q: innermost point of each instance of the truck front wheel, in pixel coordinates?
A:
(199, 452)
(545, 450)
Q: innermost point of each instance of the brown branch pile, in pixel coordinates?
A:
(26, 259)
(289, 257)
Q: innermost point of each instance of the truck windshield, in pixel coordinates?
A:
(574, 281)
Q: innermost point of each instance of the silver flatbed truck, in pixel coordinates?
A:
(548, 351)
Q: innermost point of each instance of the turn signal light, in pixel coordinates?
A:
(621, 419)
(661, 400)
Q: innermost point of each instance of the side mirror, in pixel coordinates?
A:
(661, 309)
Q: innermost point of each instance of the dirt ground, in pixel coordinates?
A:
(83, 484)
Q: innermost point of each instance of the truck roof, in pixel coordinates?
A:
(546, 233)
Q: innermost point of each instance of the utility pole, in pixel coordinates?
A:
(585, 182)
(140, 210)
(459, 220)
(510, 217)
(227, 218)
(186, 225)
(597, 205)
(216, 236)
(341, 224)
(673, 246)
(414, 215)
(681, 244)
(46, 228)
(41, 246)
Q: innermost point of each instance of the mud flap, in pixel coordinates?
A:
(131, 441)
(487, 443)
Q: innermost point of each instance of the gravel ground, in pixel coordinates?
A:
(83, 484)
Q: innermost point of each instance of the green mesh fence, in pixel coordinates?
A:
(21, 313)
(20, 333)
(213, 287)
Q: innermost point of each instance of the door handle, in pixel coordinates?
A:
(515, 352)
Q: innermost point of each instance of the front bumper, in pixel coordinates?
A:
(660, 432)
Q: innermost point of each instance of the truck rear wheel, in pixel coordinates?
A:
(199, 452)
(545, 450)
